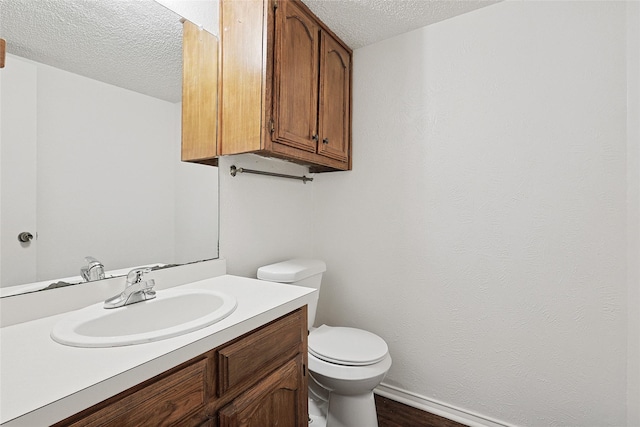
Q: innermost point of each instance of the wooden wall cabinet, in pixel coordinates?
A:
(312, 81)
(259, 379)
(199, 94)
(284, 86)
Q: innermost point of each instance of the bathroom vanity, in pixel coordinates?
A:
(257, 379)
(247, 369)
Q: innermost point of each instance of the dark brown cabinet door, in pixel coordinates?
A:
(295, 77)
(277, 400)
(334, 115)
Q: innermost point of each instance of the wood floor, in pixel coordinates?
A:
(395, 414)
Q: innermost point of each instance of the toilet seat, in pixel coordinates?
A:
(320, 369)
(347, 346)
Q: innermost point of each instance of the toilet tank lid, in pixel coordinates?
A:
(291, 270)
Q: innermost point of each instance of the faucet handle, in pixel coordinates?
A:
(135, 290)
(147, 285)
(94, 270)
(91, 260)
(136, 275)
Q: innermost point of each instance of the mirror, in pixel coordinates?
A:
(90, 121)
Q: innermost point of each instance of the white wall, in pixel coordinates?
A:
(196, 207)
(18, 202)
(482, 231)
(633, 212)
(263, 219)
(94, 141)
(109, 180)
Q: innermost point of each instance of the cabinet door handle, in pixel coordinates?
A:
(325, 141)
(315, 138)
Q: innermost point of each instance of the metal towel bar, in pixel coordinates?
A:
(235, 170)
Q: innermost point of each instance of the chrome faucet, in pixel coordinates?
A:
(135, 290)
(94, 270)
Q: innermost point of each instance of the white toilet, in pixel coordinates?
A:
(345, 364)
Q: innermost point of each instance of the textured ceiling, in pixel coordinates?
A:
(136, 44)
(362, 22)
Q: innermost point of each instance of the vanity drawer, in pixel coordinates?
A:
(256, 354)
(164, 402)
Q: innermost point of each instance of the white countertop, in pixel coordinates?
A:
(43, 382)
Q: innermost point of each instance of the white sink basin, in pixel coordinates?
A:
(173, 312)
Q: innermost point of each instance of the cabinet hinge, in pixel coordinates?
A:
(275, 5)
(271, 126)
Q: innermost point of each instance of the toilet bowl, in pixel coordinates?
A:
(349, 363)
(345, 364)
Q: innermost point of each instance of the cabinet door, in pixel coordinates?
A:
(335, 99)
(278, 400)
(295, 102)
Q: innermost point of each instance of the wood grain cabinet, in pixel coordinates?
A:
(259, 379)
(312, 80)
(274, 401)
(199, 94)
(284, 85)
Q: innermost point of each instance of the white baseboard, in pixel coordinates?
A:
(438, 408)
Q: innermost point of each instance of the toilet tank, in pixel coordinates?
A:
(299, 272)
